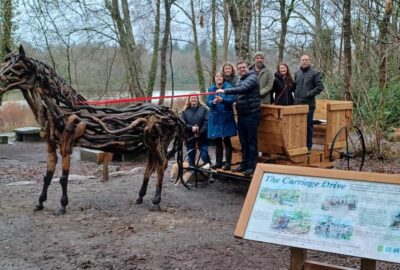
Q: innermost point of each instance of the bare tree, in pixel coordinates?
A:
(285, 12)
(226, 30)
(154, 60)
(214, 48)
(382, 41)
(6, 31)
(164, 48)
(128, 45)
(347, 48)
(240, 12)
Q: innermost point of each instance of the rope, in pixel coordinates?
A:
(138, 99)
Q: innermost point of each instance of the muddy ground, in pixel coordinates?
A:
(104, 230)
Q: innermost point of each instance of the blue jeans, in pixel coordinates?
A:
(247, 129)
(310, 128)
(192, 154)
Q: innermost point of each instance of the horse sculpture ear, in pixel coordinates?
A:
(21, 50)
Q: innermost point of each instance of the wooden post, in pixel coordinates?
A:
(104, 158)
(368, 264)
(297, 258)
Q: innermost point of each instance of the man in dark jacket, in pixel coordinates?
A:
(247, 97)
(308, 86)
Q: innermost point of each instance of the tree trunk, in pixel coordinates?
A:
(164, 48)
(197, 56)
(226, 28)
(318, 30)
(241, 12)
(7, 25)
(347, 48)
(285, 16)
(213, 40)
(383, 33)
(154, 59)
(129, 50)
(259, 8)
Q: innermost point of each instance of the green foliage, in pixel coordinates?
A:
(384, 103)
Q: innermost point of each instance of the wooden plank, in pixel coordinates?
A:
(284, 110)
(320, 109)
(342, 174)
(297, 258)
(248, 204)
(323, 164)
(298, 151)
(294, 131)
(295, 109)
(313, 265)
(339, 105)
(338, 144)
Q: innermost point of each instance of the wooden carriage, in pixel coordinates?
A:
(282, 138)
(282, 135)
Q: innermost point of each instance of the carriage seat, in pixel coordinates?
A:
(27, 134)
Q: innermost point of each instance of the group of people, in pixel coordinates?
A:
(249, 88)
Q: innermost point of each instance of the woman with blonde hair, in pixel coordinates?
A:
(195, 117)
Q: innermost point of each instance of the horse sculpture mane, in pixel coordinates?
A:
(69, 121)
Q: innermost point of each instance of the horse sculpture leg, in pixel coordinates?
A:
(161, 166)
(146, 177)
(66, 159)
(51, 166)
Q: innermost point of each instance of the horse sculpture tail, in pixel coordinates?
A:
(177, 147)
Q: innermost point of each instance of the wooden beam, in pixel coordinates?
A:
(297, 258)
(313, 265)
(368, 264)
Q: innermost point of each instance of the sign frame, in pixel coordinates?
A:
(341, 175)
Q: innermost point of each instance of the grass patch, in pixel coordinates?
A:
(14, 115)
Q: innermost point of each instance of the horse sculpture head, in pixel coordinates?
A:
(16, 71)
(19, 71)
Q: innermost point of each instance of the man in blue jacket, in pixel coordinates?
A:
(247, 97)
(308, 86)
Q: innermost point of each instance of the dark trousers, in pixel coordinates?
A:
(310, 128)
(247, 129)
(219, 149)
(203, 149)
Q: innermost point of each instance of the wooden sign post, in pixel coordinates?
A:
(344, 212)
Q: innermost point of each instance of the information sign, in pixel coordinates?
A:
(350, 213)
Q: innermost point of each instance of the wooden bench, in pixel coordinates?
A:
(3, 139)
(99, 157)
(29, 134)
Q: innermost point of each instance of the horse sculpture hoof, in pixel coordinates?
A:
(155, 207)
(38, 208)
(139, 201)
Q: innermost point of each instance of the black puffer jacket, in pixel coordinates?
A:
(247, 91)
(196, 116)
(308, 86)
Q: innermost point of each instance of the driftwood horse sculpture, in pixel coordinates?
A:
(69, 121)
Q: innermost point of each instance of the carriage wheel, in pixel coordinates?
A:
(197, 169)
(348, 147)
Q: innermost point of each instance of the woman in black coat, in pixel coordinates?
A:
(195, 117)
(283, 86)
